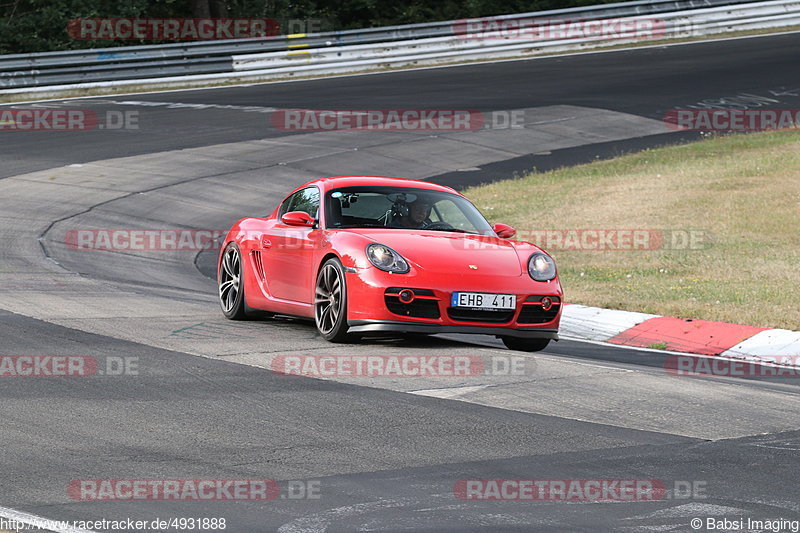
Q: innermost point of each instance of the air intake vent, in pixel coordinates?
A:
(258, 265)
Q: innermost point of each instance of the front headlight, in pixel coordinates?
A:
(385, 258)
(541, 267)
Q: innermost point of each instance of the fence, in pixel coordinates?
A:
(373, 48)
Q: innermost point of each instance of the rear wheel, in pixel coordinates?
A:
(231, 284)
(330, 302)
(231, 288)
(525, 345)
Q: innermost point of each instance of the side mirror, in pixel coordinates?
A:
(504, 231)
(298, 218)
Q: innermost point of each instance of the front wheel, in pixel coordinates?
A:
(330, 302)
(525, 345)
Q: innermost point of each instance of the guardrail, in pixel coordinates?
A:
(365, 49)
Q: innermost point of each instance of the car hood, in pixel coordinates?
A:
(449, 252)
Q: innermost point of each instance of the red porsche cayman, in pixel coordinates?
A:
(370, 255)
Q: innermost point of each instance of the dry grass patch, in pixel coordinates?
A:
(742, 190)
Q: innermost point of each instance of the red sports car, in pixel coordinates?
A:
(370, 255)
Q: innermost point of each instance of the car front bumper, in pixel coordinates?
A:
(402, 326)
(368, 310)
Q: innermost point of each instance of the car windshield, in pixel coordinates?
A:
(402, 208)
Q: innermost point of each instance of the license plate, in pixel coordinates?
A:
(482, 300)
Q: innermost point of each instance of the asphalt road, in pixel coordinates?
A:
(646, 82)
(201, 401)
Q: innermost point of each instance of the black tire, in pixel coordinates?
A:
(230, 284)
(525, 345)
(330, 302)
(239, 310)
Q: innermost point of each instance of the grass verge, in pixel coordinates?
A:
(741, 193)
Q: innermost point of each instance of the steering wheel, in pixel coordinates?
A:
(437, 226)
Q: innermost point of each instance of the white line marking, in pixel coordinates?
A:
(764, 360)
(624, 346)
(57, 526)
(448, 393)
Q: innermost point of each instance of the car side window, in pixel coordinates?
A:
(285, 206)
(306, 200)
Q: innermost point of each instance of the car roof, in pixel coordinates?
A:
(335, 182)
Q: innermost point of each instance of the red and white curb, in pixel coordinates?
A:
(703, 337)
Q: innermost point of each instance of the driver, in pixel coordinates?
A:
(419, 212)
